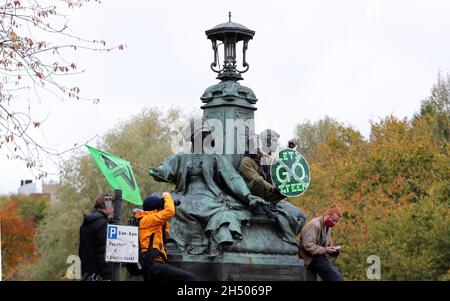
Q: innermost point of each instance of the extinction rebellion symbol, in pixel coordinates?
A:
(290, 172)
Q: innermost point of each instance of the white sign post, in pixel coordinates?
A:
(122, 244)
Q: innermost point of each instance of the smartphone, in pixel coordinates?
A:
(108, 204)
(338, 250)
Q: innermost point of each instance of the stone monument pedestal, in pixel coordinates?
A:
(239, 263)
(242, 267)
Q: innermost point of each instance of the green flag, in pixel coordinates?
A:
(118, 173)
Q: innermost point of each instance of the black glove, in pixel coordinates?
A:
(268, 211)
(257, 210)
(260, 209)
(275, 189)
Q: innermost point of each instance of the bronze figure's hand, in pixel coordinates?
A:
(152, 171)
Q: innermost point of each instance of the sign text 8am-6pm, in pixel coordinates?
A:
(122, 244)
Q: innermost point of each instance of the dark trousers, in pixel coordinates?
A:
(158, 271)
(326, 270)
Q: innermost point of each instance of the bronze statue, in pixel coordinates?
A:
(215, 201)
(218, 212)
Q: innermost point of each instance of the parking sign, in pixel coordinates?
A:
(122, 244)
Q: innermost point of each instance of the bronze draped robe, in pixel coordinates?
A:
(214, 203)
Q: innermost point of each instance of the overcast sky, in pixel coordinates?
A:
(355, 61)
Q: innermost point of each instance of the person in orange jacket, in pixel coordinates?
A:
(153, 234)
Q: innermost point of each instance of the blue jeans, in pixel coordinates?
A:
(326, 270)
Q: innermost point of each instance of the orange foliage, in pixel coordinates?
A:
(392, 190)
(17, 235)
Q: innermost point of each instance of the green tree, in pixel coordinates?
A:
(393, 189)
(412, 243)
(144, 140)
(436, 108)
(29, 206)
(311, 135)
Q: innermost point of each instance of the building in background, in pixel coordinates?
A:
(50, 188)
(27, 187)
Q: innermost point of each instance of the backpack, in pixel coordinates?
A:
(145, 258)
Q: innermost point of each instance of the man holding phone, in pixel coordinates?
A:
(316, 247)
(93, 240)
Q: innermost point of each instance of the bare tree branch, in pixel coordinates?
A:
(32, 38)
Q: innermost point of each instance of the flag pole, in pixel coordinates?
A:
(116, 221)
(158, 176)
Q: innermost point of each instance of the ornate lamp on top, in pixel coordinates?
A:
(229, 33)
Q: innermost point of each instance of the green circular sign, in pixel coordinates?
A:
(290, 172)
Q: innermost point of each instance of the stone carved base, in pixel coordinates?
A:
(241, 261)
(242, 267)
(239, 267)
(247, 260)
(259, 236)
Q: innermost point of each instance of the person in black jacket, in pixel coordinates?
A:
(93, 239)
